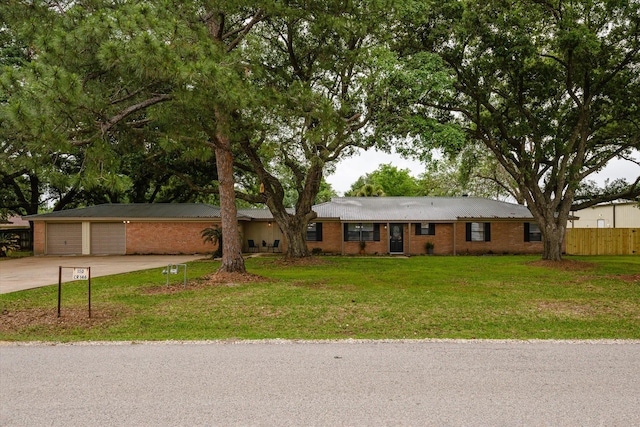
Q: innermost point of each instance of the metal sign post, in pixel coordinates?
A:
(173, 269)
(79, 273)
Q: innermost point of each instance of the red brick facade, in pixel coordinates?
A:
(507, 237)
(171, 237)
(39, 239)
(184, 237)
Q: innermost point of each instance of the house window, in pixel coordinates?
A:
(532, 232)
(362, 232)
(314, 232)
(425, 229)
(478, 232)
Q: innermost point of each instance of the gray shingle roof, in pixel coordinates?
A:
(419, 209)
(136, 210)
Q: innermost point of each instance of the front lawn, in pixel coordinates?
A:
(342, 297)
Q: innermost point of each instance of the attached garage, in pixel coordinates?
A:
(64, 238)
(108, 238)
(125, 229)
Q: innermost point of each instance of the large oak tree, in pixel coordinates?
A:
(551, 88)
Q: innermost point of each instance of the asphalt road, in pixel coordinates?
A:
(273, 383)
(36, 271)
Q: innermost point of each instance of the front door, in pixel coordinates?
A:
(396, 236)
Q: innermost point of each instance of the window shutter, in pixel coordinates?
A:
(418, 228)
(468, 231)
(318, 232)
(376, 232)
(432, 228)
(487, 231)
(527, 237)
(346, 232)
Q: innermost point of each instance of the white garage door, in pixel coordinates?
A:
(108, 238)
(64, 239)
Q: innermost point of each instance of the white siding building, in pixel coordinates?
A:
(609, 215)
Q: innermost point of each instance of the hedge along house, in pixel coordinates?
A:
(112, 229)
(404, 225)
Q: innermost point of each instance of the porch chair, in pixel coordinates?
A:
(252, 246)
(275, 246)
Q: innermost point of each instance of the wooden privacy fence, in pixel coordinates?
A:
(603, 241)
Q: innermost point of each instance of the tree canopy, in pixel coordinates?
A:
(551, 89)
(104, 101)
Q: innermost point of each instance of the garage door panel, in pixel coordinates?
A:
(64, 239)
(108, 238)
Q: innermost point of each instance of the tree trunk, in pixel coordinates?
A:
(553, 237)
(232, 261)
(296, 233)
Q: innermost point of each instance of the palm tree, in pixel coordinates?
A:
(213, 235)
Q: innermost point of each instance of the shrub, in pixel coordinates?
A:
(9, 243)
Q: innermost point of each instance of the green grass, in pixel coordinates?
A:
(342, 297)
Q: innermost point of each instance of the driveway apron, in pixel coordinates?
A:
(33, 272)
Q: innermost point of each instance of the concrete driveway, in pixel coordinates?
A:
(33, 272)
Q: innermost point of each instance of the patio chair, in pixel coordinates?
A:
(276, 245)
(252, 246)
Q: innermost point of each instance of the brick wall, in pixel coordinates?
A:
(506, 237)
(184, 237)
(331, 238)
(442, 241)
(39, 237)
(167, 238)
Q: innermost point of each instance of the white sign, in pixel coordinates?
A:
(80, 273)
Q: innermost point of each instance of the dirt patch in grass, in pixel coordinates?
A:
(214, 279)
(220, 278)
(309, 261)
(12, 321)
(630, 278)
(564, 265)
(568, 309)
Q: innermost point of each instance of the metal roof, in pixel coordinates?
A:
(135, 210)
(382, 209)
(419, 209)
(260, 214)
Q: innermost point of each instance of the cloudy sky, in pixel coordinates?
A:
(349, 170)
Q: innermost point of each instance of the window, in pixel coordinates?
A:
(425, 229)
(314, 232)
(532, 232)
(364, 231)
(478, 232)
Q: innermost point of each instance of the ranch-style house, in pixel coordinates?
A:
(345, 225)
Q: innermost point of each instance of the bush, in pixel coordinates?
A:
(9, 243)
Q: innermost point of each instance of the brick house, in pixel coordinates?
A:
(404, 225)
(386, 225)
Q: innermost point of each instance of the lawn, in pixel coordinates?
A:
(345, 297)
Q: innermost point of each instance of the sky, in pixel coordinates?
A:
(349, 170)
